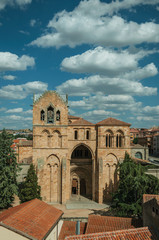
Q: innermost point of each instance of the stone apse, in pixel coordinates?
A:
(74, 156)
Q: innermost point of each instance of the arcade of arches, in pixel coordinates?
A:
(74, 156)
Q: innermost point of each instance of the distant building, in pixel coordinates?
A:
(156, 145)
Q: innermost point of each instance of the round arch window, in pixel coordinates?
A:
(138, 155)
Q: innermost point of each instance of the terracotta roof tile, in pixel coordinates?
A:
(108, 223)
(128, 234)
(81, 122)
(34, 218)
(69, 229)
(112, 122)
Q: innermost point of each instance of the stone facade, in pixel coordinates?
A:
(74, 156)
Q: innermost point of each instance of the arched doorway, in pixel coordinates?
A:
(74, 186)
(83, 187)
(81, 167)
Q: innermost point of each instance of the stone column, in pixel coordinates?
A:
(93, 179)
(100, 180)
(64, 185)
(51, 182)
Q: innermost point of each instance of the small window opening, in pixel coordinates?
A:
(42, 115)
(117, 141)
(87, 134)
(50, 115)
(76, 134)
(58, 115)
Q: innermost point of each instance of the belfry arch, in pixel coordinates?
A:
(81, 172)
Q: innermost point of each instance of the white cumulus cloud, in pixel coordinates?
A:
(15, 110)
(11, 62)
(21, 3)
(23, 90)
(90, 23)
(9, 77)
(100, 84)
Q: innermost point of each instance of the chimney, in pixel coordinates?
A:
(78, 228)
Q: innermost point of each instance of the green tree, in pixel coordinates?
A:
(8, 171)
(133, 183)
(30, 189)
(135, 141)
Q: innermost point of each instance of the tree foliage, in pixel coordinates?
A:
(30, 189)
(135, 141)
(133, 183)
(8, 171)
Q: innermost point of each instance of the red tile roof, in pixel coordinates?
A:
(81, 122)
(108, 223)
(112, 122)
(134, 130)
(148, 197)
(128, 234)
(34, 218)
(69, 229)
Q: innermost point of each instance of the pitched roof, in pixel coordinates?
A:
(134, 130)
(128, 234)
(26, 143)
(72, 117)
(69, 229)
(148, 197)
(34, 218)
(108, 223)
(112, 122)
(81, 122)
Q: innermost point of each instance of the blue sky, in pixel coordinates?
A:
(103, 54)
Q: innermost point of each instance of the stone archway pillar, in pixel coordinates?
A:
(93, 179)
(100, 180)
(64, 183)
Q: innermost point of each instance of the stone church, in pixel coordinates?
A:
(74, 156)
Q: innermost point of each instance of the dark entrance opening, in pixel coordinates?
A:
(74, 186)
(83, 187)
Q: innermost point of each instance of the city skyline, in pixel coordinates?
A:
(103, 54)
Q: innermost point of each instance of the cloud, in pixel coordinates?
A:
(100, 84)
(32, 22)
(118, 103)
(20, 3)
(24, 32)
(98, 115)
(15, 110)
(101, 60)
(149, 70)
(11, 62)
(110, 62)
(22, 91)
(9, 77)
(20, 118)
(151, 110)
(149, 119)
(97, 27)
